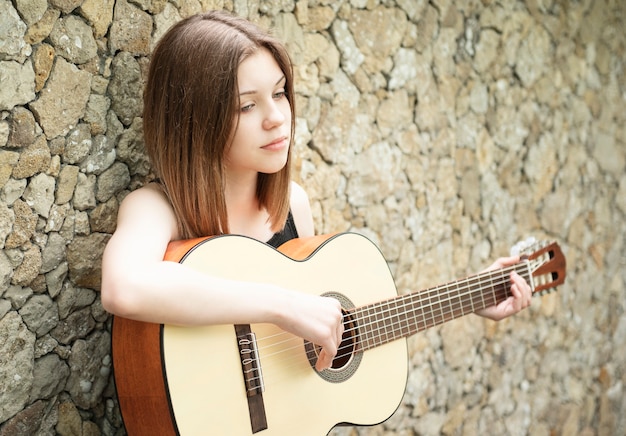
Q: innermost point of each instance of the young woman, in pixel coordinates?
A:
(218, 126)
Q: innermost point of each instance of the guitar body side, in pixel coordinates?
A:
(202, 366)
(139, 380)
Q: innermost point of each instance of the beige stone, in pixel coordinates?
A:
(34, 159)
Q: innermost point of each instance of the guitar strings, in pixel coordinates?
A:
(420, 302)
(286, 362)
(419, 297)
(456, 305)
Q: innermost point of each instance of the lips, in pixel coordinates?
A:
(277, 144)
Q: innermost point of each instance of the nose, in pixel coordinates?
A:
(276, 114)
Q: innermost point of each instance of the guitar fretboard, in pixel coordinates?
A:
(406, 315)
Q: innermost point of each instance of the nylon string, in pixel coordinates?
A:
(402, 308)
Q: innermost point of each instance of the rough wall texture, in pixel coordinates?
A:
(445, 131)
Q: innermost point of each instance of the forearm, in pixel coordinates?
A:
(170, 293)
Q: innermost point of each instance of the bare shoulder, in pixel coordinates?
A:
(145, 219)
(301, 210)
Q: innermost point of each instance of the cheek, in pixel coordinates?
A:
(285, 108)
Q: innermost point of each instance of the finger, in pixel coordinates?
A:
(521, 291)
(340, 330)
(324, 360)
(524, 289)
(507, 261)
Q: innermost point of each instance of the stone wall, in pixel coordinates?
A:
(445, 131)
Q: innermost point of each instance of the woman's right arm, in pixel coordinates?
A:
(138, 284)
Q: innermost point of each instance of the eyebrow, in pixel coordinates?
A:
(253, 91)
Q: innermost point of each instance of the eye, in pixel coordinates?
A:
(247, 107)
(280, 94)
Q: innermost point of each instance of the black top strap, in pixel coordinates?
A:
(287, 233)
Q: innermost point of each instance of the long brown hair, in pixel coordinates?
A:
(190, 112)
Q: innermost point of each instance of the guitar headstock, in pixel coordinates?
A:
(546, 261)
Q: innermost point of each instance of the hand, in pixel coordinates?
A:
(318, 320)
(519, 299)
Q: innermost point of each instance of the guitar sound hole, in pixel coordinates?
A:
(347, 359)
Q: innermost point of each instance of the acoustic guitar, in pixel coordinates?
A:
(258, 379)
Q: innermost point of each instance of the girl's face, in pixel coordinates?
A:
(262, 137)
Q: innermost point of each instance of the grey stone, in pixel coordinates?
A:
(40, 314)
(72, 298)
(90, 369)
(18, 84)
(84, 195)
(31, 10)
(63, 100)
(95, 115)
(75, 326)
(84, 256)
(101, 156)
(12, 190)
(112, 181)
(53, 253)
(7, 217)
(39, 194)
(78, 144)
(126, 87)
(16, 365)
(12, 30)
(50, 376)
(57, 216)
(73, 39)
(55, 278)
(351, 57)
(131, 149)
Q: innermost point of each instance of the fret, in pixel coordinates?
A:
(493, 291)
(471, 298)
(441, 312)
(385, 321)
(416, 311)
(381, 327)
(423, 309)
(460, 298)
(394, 319)
(366, 329)
(482, 296)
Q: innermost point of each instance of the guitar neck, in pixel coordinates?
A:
(405, 315)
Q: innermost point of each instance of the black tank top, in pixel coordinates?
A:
(287, 233)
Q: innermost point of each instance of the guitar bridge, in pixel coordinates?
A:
(252, 376)
(250, 365)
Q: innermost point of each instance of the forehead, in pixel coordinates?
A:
(258, 70)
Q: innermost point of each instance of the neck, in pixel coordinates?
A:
(245, 215)
(406, 315)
